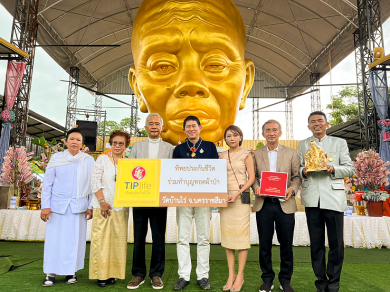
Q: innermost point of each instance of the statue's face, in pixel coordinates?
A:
(189, 60)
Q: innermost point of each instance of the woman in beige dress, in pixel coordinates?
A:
(235, 218)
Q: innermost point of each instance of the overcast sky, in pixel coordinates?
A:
(48, 93)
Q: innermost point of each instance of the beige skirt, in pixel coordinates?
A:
(108, 245)
(235, 225)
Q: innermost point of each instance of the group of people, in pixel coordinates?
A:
(76, 189)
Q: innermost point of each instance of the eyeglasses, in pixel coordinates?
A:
(118, 143)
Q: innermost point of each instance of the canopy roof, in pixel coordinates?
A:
(349, 131)
(287, 39)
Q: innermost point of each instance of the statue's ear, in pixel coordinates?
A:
(134, 86)
(249, 79)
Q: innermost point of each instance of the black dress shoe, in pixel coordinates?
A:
(71, 279)
(111, 281)
(102, 283)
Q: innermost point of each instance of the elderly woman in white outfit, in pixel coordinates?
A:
(66, 207)
(109, 227)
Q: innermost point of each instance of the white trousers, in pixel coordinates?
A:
(65, 242)
(202, 217)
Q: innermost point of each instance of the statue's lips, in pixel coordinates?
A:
(176, 122)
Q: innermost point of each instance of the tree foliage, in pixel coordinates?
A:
(142, 133)
(344, 106)
(111, 126)
(123, 125)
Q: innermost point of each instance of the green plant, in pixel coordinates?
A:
(260, 144)
(49, 148)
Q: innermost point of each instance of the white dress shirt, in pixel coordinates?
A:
(154, 145)
(272, 157)
(60, 189)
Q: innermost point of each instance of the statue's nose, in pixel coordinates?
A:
(191, 85)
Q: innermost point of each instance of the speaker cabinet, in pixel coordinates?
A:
(89, 130)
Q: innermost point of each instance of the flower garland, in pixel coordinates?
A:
(7, 116)
(384, 125)
(126, 153)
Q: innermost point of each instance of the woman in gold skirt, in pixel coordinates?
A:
(235, 218)
(109, 226)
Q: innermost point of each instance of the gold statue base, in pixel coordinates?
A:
(317, 170)
(361, 210)
(32, 204)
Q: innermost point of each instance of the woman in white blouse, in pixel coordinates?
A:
(109, 226)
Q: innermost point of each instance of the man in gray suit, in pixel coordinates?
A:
(324, 197)
(153, 147)
(271, 213)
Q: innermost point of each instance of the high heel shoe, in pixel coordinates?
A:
(232, 289)
(227, 288)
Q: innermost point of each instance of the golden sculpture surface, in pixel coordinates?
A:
(315, 158)
(189, 60)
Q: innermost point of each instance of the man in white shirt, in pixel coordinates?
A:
(272, 214)
(153, 147)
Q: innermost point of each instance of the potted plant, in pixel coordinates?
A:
(372, 173)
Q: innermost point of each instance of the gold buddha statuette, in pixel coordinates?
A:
(315, 158)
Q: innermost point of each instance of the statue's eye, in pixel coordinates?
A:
(164, 69)
(214, 68)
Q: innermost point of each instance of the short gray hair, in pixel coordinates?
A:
(153, 115)
(269, 122)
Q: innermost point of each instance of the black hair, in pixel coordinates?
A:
(319, 113)
(74, 130)
(234, 129)
(190, 118)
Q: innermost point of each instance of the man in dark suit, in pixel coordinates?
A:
(271, 213)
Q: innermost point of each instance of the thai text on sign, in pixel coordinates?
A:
(171, 182)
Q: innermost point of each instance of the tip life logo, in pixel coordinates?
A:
(138, 173)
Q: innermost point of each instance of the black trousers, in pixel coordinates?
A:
(269, 218)
(158, 221)
(328, 276)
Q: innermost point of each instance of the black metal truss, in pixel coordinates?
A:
(256, 120)
(134, 116)
(74, 75)
(366, 38)
(23, 36)
(315, 92)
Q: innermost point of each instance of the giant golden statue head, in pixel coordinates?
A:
(189, 60)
